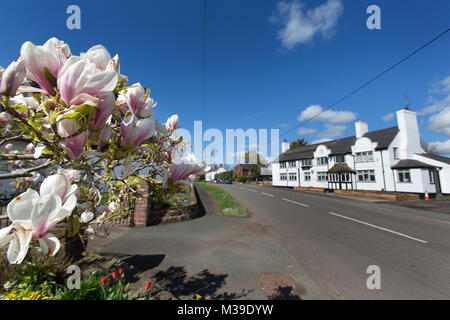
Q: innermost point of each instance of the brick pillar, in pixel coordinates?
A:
(142, 208)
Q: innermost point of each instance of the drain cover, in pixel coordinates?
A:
(280, 286)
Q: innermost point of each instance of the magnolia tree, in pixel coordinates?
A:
(91, 132)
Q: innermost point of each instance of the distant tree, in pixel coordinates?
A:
(299, 143)
(255, 168)
(428, 148)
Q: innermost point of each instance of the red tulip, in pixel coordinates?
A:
(105, 280)
(147, 285)
(120, 270)
(114, 275)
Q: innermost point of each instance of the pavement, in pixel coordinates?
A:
(335, 240)
(215, 256)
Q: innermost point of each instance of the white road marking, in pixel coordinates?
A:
(299, 203)
(266, 194)
(242, 188)
(377, 227)
(252, 190)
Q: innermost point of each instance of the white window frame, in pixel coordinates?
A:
(401, 176)
(308, 176)
(293, 164)
(292, 176)
(322, 176)
(395, 151)
(283, 165)
(366, 176)
(283, 176)
(366, 156)
(431, 175)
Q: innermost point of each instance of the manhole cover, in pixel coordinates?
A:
(280, 286)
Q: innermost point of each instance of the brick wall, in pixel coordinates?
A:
(142, 207)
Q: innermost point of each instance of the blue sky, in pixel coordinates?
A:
(261, 74)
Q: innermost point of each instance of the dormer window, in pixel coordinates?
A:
(322, 161)
(366, 156)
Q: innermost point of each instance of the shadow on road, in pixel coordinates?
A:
(284, 293)
(204, 283)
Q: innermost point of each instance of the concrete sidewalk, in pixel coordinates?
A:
(214, 256)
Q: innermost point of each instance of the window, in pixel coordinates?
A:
(366, 176)
(283, 176)
(364, 156)
(307, 163)
(292, 164)
(322, 161)
(282, 165)
(307, 176)
(395, 153)
(293, 176)
(404, 175)
(322, 176)
(340, 158)
(431, 174)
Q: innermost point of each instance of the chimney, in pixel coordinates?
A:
(409, 133)
(361, 128)
(285, 146)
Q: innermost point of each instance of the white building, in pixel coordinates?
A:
(390, 159)
(210, 176)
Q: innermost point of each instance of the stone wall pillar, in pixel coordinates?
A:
(143, 206)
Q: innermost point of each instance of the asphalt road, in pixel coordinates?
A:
(336, 239)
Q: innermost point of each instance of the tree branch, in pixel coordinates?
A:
(25, 173)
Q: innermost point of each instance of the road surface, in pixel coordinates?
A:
(336, 239)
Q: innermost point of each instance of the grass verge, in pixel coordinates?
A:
(227, 204)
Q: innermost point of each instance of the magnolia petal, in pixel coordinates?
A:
(58, 184)
(86, 217)
(21, 206)
(18, 247)
(5, 237)
(49, 244)
(43, 211)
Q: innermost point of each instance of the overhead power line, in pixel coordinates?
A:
(368, 82)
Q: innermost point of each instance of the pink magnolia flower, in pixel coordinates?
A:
(74, 146)
(8, 147)
(80, 81)
(58, 184)
(104, 111)
(138, 100)
(30, 148)
(5, 117)
(52, 55)
(134, 131)
(12, 78)
(172, 123)
(100, 56)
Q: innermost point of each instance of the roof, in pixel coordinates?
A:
(341, 167)
(435, 157)
(245, 166)
(304, 152)
(383, 137)
(410, 164)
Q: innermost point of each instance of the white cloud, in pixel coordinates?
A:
(388, 117)
(306, 131)
(321, 140)
(434, 104)
(440, 147)
(440, 122)
(331, 131)
(441, 87)
(300, 25)
(316, 113)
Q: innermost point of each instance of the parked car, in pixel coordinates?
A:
(227, 181)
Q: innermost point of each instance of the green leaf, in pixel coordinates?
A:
(74, 227)
(50, 77)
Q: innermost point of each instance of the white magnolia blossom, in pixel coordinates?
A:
(33, 215)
